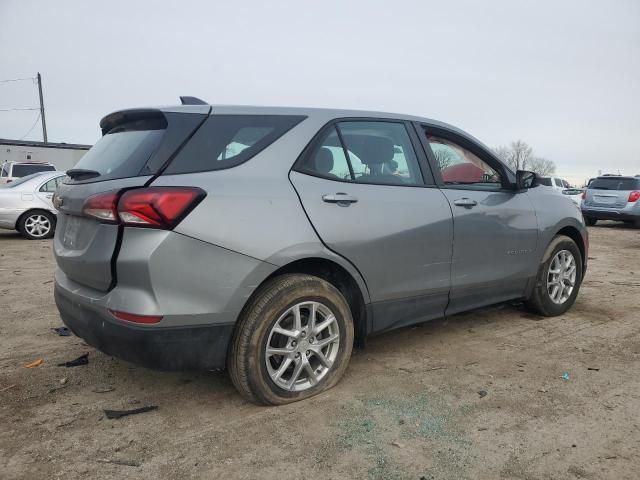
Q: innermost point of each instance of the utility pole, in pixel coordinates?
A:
(43, 121)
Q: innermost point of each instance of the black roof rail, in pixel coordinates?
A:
(192, 101)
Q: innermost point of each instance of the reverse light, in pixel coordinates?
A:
(158, 207)
(103, 207)
(134, 318)
(634, 196)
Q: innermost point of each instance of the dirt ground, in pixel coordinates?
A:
(408, 407)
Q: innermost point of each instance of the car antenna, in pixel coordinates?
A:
(192, 101)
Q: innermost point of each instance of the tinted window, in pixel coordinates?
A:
(373, 152)
(544, 181)
(615, 183)
(459, 166)
(225, 141)
(24, 170)
(22, 180)
(557, 182)
(123, 151)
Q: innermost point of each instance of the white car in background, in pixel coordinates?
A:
(11, 171)
(26, 204)
(563, 187)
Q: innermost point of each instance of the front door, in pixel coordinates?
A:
(365, 194)
(495, 227)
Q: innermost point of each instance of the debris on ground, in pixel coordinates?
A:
(81, 360)
(397, 444)
(103, 389)
(115, 414)
(593, 369)
(34, 364)
(482, 393)
(62, 331)
(127, 463)
(565, 376)
(4, 389)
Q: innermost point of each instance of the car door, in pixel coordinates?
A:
(495, 228)
(362, 187)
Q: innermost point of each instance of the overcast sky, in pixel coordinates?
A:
(562, 75)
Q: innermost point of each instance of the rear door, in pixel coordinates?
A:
(362, 187)
(136, 144)
(495, 228)
(610, 192)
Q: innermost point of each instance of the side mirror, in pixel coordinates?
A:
(526, 179)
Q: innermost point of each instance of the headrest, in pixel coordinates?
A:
(376, 150)
(323, 161)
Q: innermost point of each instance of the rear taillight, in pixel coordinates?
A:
(634, 196)
(154, 207)
(157, 207)
(584, 194)
(103, 207)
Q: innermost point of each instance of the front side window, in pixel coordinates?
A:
(366, 152)
(459, 166)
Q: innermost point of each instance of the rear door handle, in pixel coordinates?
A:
(465, 202)
(340, 198)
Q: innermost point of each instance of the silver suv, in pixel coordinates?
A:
(612, 197)
(271, 240)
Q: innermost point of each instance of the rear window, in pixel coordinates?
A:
(124, 150)
(24, 170)
(20, 181)
(225, 141)
(615, 183)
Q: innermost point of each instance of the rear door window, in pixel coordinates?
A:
(225, 141)
(615, 183)
(27, 169)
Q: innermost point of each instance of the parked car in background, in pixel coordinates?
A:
(574, 194)
(11, 171)
(562, 186)
(612, 197)
(268, 240)
(26, 204)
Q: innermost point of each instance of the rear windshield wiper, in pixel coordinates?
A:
(81, 173)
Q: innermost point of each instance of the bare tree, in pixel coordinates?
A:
(517, 155)
(542, 166)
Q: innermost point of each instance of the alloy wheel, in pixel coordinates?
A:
(561, 278)
(37, 226)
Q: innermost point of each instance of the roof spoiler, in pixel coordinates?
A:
(192, 101)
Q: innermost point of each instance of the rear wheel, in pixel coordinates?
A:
(590, 221)
(37, 225)
(559, 278)
(293, 341)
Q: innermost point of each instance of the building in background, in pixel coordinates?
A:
(63, 155)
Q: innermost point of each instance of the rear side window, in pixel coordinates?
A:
(24, 170)
(123, 151)
(615, 183)
(365, 152)
(225, 141)
(544, 181)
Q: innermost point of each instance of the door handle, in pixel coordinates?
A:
(465, 202)
(340, 198)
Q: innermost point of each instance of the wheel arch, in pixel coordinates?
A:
(32, 210)
(574, 234)
(339, 277)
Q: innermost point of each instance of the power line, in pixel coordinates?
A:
(16, 79)
(17, 109)
(32, 127)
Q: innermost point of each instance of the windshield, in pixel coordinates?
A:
(615, 183)
(22, 170)
(22, 180)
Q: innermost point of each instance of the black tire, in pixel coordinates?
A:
(540, 301)
(246, 359)
(24, 227)
(590, 221)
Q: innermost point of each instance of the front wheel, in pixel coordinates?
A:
(293, 340)
(559, 278)
(37, 225)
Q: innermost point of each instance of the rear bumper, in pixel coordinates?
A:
(201, 347)
(601, 214)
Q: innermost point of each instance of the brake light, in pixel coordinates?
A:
(634, 196)
(158, 207)
(584, 194)
(103, 207)
(132, 317)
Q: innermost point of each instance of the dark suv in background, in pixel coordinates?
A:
(612, 197)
